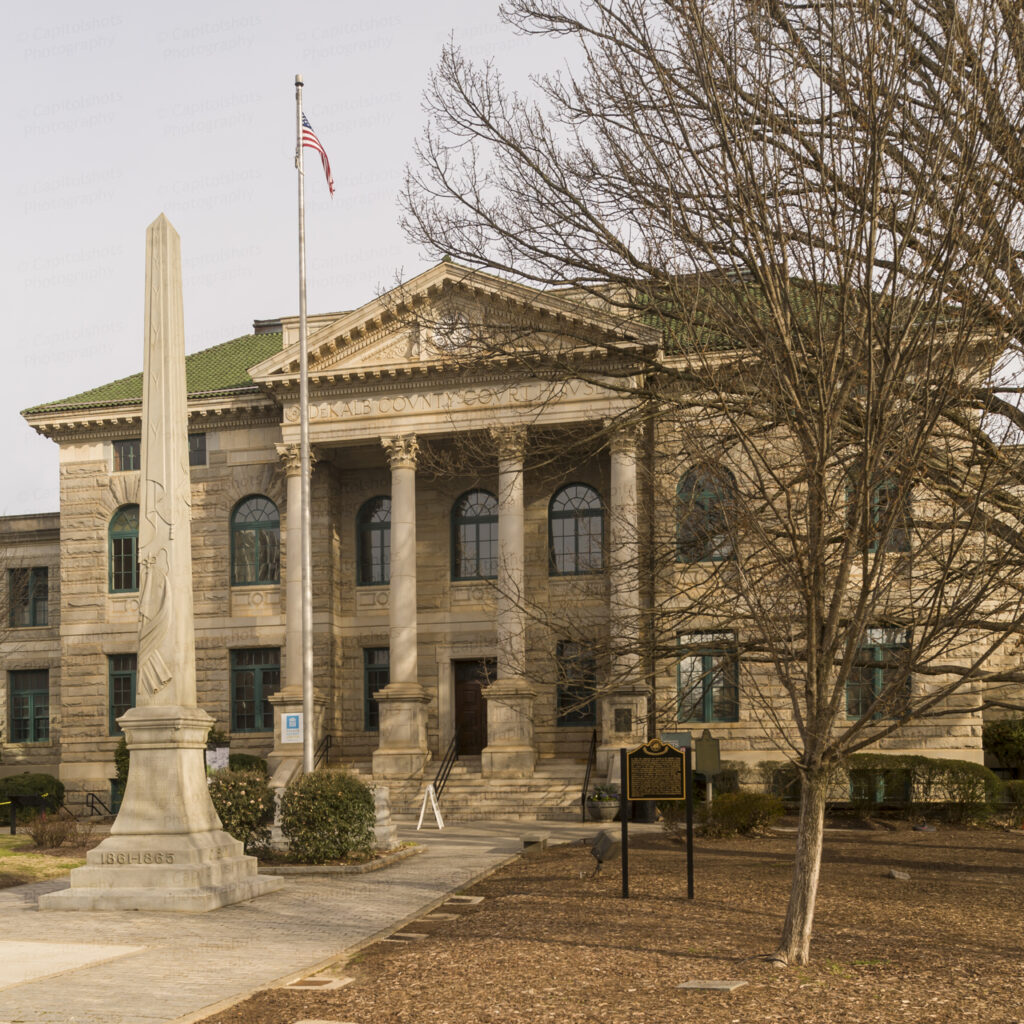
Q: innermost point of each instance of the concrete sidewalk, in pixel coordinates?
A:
(145, 968)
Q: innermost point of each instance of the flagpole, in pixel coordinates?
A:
(304, 505)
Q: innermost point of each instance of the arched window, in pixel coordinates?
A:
(575, 531)
(373, 542)
(706, 495)
(124, 550)
(255, 542)
(475, 536)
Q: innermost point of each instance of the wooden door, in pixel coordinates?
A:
(470, 707)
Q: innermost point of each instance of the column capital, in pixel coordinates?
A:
(290, 455)
(622, 437)
(509, 440)
(402, 450)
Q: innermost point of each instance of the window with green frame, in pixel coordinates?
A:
(577, 683)
(255, 542)
(121, 671)
(879, 674)
(28, 596)
(888, 786)
(704, 497)
(255, 677)
(890, 510)
(29, 703)
(376, 675)
(373, 542)
(127, 455)
(124, 550)
(475, 536)
(575, 531)
(707, 679)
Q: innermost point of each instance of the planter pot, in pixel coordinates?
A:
(603, 810)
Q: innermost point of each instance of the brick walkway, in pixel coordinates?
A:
(182, 966)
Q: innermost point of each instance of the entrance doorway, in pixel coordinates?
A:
(470, 677)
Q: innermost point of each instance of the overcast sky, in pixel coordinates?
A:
(116, 112)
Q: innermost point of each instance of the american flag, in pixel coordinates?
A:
(310, 141)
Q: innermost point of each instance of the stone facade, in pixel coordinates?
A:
(391, 416)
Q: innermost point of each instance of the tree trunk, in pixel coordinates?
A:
(795, 943)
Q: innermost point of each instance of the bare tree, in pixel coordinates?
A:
(822, 484)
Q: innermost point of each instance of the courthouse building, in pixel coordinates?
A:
(429, 517)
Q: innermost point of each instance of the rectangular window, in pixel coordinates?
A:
(577, 675)
(890, 509)
(29, 692)
(878, 674)
(708, 678)
(121, 670)
(127, 455)
(376, 675)
(255, 676)
(28, 595)
(197, 449)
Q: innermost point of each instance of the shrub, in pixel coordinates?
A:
(48, 831)
(122, 758)
(245, 804)
(1004, 740)
(740, 814)
(247, 763)
(327, 815)
(33, 785)
(1013, 794)
(957, 791)
(961, 791)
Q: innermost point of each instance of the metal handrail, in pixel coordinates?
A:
(323, 752)
(450, 757)
(93, 803)
(591, 764)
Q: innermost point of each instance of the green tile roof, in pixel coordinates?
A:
(218, 370)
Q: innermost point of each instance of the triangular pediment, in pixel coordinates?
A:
(387, 333)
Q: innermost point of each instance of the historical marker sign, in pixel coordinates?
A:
(656, 771)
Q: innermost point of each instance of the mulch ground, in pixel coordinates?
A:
(551, 942)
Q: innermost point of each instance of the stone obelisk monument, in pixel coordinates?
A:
(166, 850)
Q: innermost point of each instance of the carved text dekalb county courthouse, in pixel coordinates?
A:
(438, 494)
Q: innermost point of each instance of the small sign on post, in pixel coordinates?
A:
(656, 771)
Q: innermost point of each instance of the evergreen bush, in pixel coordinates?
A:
(245, 803)
(247, 763)
(740, 814)
(327, 815)
(1013, 795)
(1004, 740)
(34, 784)
(960, 792)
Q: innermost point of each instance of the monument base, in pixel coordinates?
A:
(178, 873)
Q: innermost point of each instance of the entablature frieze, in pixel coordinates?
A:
(398, 410)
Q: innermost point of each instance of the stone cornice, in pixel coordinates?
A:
(112, 422)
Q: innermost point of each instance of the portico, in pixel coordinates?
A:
(394, 391)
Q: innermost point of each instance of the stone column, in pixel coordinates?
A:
(289, 700)
(510, 746)
(403, 713)
(622, 708)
